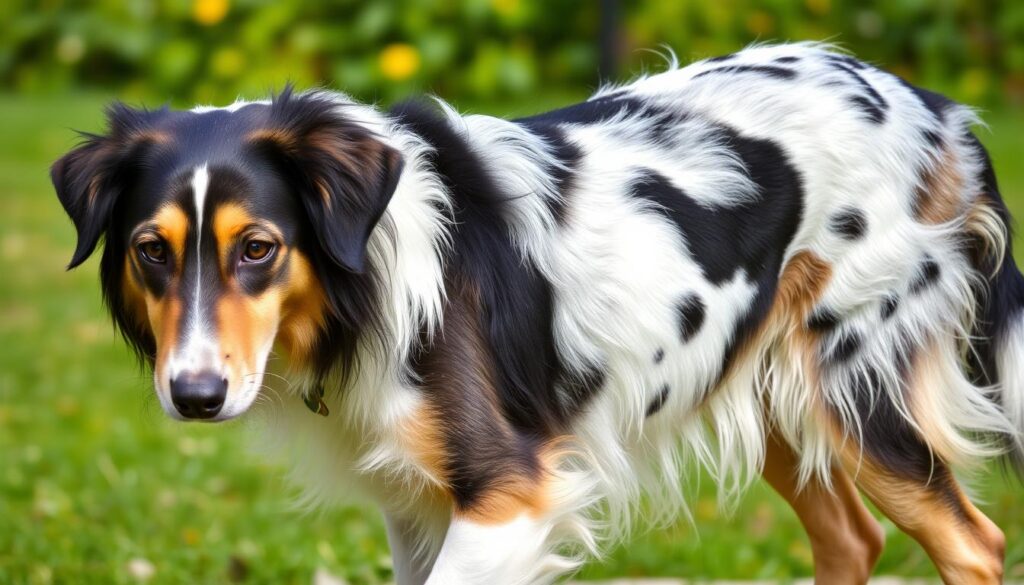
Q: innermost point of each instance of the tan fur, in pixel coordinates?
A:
(965, 546)
(244, 324)
(133, 292)
(940, 197)
(229, 221)
(846, 540)
(983, 222)
(801, 286)
(803, 281)
(164, 319)
(281, 138)
(172, 224)
(518, 495)
(302, 309)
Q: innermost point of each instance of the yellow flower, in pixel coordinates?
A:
(209, 12)
(399, 61)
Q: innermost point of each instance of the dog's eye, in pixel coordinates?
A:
(257, 251)
(153, 251)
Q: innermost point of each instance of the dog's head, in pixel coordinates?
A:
(227, 230)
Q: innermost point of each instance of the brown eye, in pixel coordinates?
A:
(257, 251)
(154, 252)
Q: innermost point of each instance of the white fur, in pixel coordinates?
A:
(1011, 372)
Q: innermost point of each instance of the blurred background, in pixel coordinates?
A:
(96, 486)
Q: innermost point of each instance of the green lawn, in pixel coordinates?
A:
(93, 475)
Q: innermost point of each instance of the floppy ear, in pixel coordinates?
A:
(90, 179)
(345, 173)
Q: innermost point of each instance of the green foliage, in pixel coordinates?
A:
(213, 50)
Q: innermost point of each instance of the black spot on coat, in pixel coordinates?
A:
(889, 306)
(844, 348)
(850, 224)
(823, 320)
(767, 70)
(691, 317)
(659, 401)
(928, 273)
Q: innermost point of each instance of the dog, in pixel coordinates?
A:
(519, 337)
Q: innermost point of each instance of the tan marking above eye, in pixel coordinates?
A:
(172, 224)
(231, 221)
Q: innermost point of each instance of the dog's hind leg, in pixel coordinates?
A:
(892, 464)
(965, 546)
(845, 538)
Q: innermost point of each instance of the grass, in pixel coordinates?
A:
(93, 475)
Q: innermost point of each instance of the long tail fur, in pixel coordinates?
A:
(999, 333)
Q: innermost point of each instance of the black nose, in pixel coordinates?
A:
(199, 394)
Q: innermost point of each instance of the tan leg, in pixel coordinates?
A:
(845, 538)
(965, 546)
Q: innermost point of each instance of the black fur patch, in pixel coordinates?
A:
(871, 103)
(659, 355)
(787, 59)
(578, 390)
(588, 112)
(850, 224)
(869, 108)
(516, 299)
(848, 61)
(721, 58)
(936, 103)
(767, 223)
(928, 274)
(691, 317)
(844, 348)
(659, 401)
(932, 137)
(823, 320)
(659, 124)
(890, 305)
(768, 70)
(568, 156)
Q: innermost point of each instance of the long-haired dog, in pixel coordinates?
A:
(782, 263)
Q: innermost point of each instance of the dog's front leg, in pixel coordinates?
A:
(411, 563)
(482, 553)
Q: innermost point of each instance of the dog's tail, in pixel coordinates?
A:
(999, 329)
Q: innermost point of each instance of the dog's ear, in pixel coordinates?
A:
(90, 179)
(345, 174)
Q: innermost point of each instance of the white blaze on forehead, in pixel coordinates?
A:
(200, 184)
(199, 349)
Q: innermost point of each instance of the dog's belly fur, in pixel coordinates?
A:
(782, 239)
